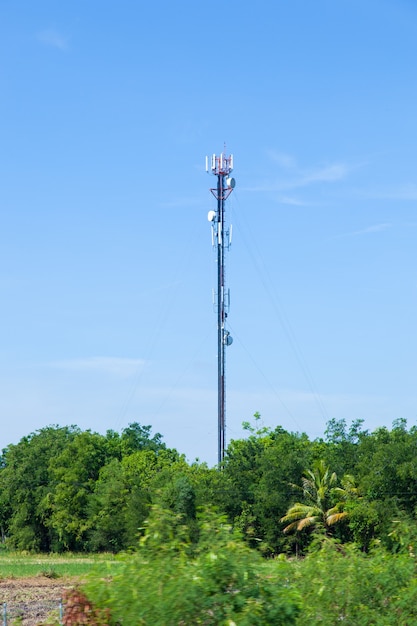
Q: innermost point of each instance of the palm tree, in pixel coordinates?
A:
(319, 488)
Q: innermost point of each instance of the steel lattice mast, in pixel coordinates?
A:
(221, 167)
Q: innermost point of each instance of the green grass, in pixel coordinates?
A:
(22, 565)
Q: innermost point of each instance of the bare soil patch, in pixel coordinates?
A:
(33, 601)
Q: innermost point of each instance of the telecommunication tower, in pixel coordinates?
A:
(221, 167)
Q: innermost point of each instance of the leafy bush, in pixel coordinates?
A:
(342, 584)
(171, 580)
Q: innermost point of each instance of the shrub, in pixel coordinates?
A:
(217, 581)
(343, 584)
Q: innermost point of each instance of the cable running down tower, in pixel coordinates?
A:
(221, 167)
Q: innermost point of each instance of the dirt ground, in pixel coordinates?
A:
(32, 601)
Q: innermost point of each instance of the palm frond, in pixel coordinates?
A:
(334, 518)
(319, 487)
(290, 527)
(307, 522)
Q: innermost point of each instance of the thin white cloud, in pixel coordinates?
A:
(181, 202)
(51, 37)
(374, 228)
(282, 159)
(115, 366)
(330, 173)
(303, 178)
(291, 201)
(403, 192)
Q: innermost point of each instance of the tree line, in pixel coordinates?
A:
(64, 489)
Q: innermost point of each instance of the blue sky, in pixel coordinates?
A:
(107, 112)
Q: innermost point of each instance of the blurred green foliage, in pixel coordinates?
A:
(174, 579)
